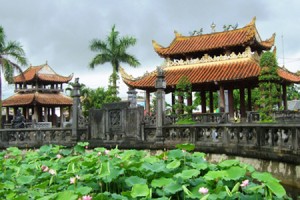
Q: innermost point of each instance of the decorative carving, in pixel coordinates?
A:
(208, 59)
(115, 119)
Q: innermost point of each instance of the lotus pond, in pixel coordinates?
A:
(57, 172)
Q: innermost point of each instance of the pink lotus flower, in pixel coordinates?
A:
(87, 197)
(203, 190)
(72, 180)
(58, 156)
(99, 153)
(52, 171)
(86, 147)
(44, 168)
(245, 183)
(106, 152)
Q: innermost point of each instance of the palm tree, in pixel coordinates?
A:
(9, 51)
(113, 50)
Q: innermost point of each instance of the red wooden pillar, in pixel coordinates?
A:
(230, 103)
(180, 101)
(242, 102)
(249, 99)
(284, 96)
(222, 99)
(211, 102)
(173, 102)
(190, 99)
(147, 106)
(203, 101)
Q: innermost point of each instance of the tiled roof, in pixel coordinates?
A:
(199, 73)
(288, 76)
(56, 99)
(205, 42)
(42, 73)
(206, 73)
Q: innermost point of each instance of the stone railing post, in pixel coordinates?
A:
(160, 86)
(75, 108)
(132, 97)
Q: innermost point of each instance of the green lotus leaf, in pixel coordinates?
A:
(161, 182)
(235, 173)
(83, 190)
(22, 180)
(188, 173)
(48, 197)
(172, 188)
(68, 194)
(263, 177)
(276, 188)
(213, 175)
(140, 190)
(228, 163)
(132, 180)
(174, 164)
(186, 146)
(175, 154)
(200, 166)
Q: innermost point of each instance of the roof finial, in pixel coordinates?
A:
(213, 27)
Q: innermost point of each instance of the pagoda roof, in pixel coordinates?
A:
(47, 99)
(246, 36)
(210, 72)
(43, 73)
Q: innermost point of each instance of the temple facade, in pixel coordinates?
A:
(38, 93)
(214, 62)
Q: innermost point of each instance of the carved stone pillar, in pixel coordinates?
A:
(75, 109)
(160, 86)
(132, 97)
(147, 102)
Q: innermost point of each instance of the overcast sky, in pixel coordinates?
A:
(60, 31)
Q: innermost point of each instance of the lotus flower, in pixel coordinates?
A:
(245, 183)
(87, 197)
(203, 190)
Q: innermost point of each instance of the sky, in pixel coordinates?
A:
(59, 32)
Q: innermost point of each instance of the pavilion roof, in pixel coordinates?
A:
(46, 99)
(43, 73)
(246, 36)
(210, 72)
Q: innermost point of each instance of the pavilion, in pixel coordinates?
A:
(214, 62)
(38, 92)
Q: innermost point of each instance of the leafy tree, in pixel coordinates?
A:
(268, 86)
(95, 98)
(113, 50)
(293, 92)
(11, 56)
(184, 89)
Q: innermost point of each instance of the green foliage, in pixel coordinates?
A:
(129, 174)
(293, 92)
(183, 89)
(113, 50)
(95, 98)
(11, 56)
(269, 86)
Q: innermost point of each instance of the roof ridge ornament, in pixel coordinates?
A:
(177, 34)
(213, 27)
(252, 23)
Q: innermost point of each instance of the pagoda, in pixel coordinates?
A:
(214, 62)
(38, 92)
